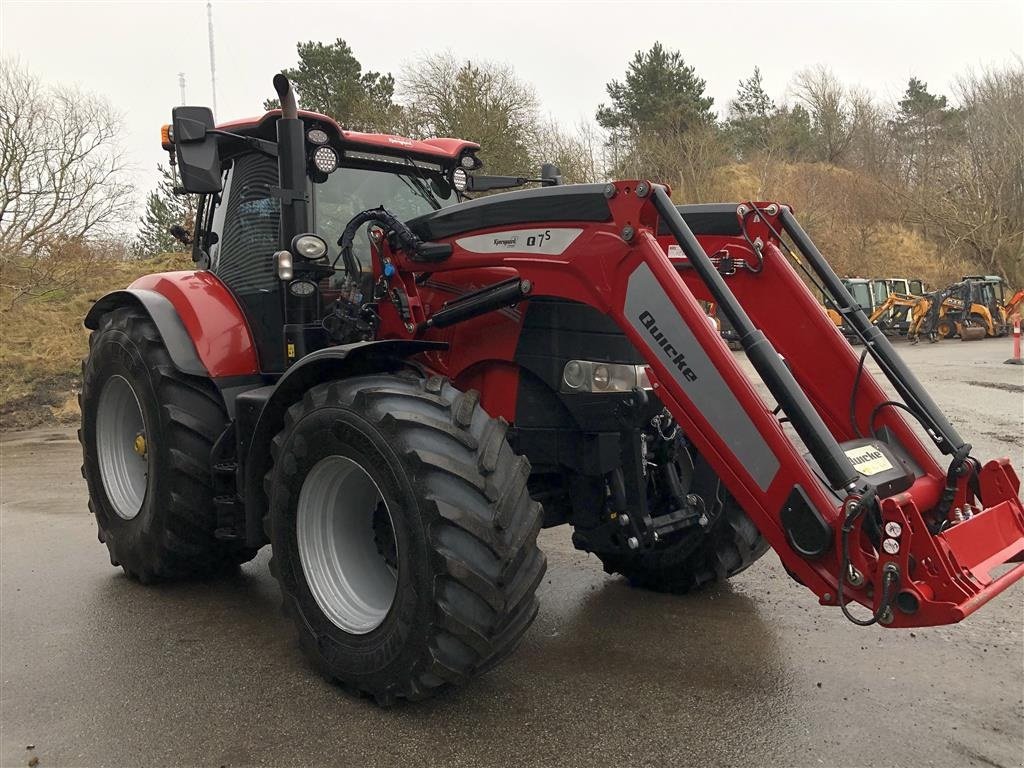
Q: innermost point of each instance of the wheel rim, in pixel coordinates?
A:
(122, 447)
(345, 539)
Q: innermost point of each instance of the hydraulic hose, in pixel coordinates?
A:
(407, 241)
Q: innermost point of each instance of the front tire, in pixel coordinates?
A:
(404, 537)
(146, 435)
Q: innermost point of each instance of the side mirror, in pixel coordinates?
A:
(197, 150)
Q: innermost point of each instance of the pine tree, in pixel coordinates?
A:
(659, 119)
(163, 210)
(660, 94)
(329, 79)
(750, 116)
(923, 127)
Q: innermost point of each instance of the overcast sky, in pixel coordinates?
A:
(132, 52)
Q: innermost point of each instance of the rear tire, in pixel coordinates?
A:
(730, 544)
(458, 537)
(146, 435)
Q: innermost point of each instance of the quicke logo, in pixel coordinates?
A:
(678, 359)
(871, 454)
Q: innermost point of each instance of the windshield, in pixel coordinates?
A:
(881, 291)
(861, 294)
(406, 191)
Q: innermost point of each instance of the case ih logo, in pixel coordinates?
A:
(677, 358)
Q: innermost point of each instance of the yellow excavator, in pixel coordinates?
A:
(886, 318)
(880, 300)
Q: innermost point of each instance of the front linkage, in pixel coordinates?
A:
(868, 519)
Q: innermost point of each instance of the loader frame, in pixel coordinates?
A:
(810, 508)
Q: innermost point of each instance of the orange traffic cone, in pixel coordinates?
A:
(1015, 360)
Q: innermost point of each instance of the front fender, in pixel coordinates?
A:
(260, 412)
(205, 330)
(160, 310)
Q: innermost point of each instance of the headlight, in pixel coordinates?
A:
(310, 247)
(317, 136)
(325, 159)
(590, 376)
(460, 179)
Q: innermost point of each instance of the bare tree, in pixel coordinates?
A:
(832, 114)
(61, 172)
(974, 202)
(577, 153)
(481, 101)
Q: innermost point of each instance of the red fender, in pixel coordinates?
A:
(212, 317)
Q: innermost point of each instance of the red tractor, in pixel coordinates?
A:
(399, 417)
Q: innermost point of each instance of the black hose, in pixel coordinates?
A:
(404, 236)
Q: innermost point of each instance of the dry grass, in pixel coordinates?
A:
(851, 217)
(42, 342)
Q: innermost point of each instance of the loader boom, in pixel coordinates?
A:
(808, 506)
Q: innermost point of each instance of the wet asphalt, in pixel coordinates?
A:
(99, 670)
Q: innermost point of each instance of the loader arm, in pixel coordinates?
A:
(921, 554)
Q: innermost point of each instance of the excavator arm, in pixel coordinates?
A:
(1012, 306)
(894, 300)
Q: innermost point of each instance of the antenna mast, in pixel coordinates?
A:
(213, 75)
(181, 85)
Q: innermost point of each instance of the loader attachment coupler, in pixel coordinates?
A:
(866, 514)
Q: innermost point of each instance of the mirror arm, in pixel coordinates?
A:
(268, 148)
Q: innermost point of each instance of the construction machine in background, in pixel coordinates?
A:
(970, 309)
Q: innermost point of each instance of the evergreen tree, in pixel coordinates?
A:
(792, 134)
(751, 116)
(163, 210)
(923, 128)
(329, 79)
(660, 94)
(659, 119)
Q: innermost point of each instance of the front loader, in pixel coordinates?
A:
(397, 417)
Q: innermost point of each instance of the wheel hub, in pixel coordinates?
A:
(121, 447)
(347, 546)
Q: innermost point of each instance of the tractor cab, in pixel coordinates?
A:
(880, 290)
(239, 226)
(898, 285)
(991, 288)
